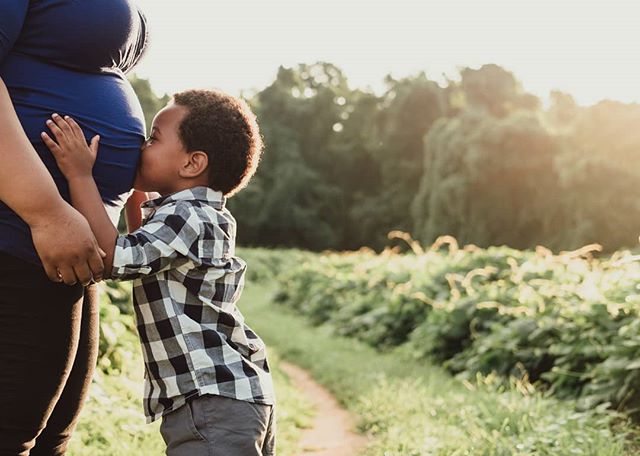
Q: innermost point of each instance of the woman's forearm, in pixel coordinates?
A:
(25, 183)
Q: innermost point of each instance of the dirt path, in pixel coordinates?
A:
(332, 433)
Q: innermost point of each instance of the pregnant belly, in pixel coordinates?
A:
(101, 103)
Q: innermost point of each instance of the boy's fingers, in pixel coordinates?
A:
(62, 124)
(74, 126)
(94, 143)
(50, 143)
(59, 134)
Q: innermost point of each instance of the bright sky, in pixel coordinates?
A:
(590, 49)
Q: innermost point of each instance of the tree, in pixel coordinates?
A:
(493, 89)
(408, 109)
(300, 200)
(488, 181)
(563, 110)
(600, 171)
(477, 159)
(149, 101)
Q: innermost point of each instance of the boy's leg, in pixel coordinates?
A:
(217, 426)
(181, 435)
(269, 447)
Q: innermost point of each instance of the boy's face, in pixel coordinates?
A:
(163, 153)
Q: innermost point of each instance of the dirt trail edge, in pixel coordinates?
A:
(332, 432)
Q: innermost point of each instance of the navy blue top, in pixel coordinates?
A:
(70, 57)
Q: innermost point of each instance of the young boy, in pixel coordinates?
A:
(206, 371)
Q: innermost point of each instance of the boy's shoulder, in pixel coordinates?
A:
(204, 210)
(199, 215)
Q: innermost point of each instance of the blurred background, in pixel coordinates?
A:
(498, 122)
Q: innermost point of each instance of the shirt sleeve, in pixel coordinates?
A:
(12, 16)
(171, 235)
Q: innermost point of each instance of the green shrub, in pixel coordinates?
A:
(567, 322)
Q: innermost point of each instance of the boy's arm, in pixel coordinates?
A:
(86, 199)
(75, 159)
(172, 233)
(167, 239)
(132, 212)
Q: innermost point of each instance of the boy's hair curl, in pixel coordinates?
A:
(225, 128)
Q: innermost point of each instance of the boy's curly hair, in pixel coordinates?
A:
(225, 128)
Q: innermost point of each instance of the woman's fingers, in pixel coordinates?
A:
(66, 240)
(92, 268)
(67, 275)
(83, 273)
(96, 264)
(52, 272)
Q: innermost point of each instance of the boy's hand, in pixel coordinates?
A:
(74, 157)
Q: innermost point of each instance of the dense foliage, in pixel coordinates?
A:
(569, 323)
(478, 158)
(417, 409)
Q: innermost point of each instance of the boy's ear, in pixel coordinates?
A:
(196, 164)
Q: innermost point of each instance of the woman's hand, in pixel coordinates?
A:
(74, 157)
(67, 247)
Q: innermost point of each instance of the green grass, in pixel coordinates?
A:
(112, 422)
(412, 408)
(409, 407)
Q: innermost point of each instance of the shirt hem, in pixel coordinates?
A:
(182, 400)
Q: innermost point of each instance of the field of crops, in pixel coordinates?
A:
(565, 324)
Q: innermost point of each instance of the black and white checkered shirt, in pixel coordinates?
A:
(187, 281)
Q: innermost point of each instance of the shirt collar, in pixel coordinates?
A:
(202, 194)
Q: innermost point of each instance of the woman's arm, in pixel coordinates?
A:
(62, 237)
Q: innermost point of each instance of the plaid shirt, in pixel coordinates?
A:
(186, 285)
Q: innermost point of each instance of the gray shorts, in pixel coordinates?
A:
(212, 425)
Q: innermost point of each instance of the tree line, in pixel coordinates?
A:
(477, 157)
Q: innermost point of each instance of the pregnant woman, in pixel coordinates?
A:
(69, 57)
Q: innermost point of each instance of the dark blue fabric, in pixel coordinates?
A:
(70, 57)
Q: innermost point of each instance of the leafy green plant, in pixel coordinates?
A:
(567, 322)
